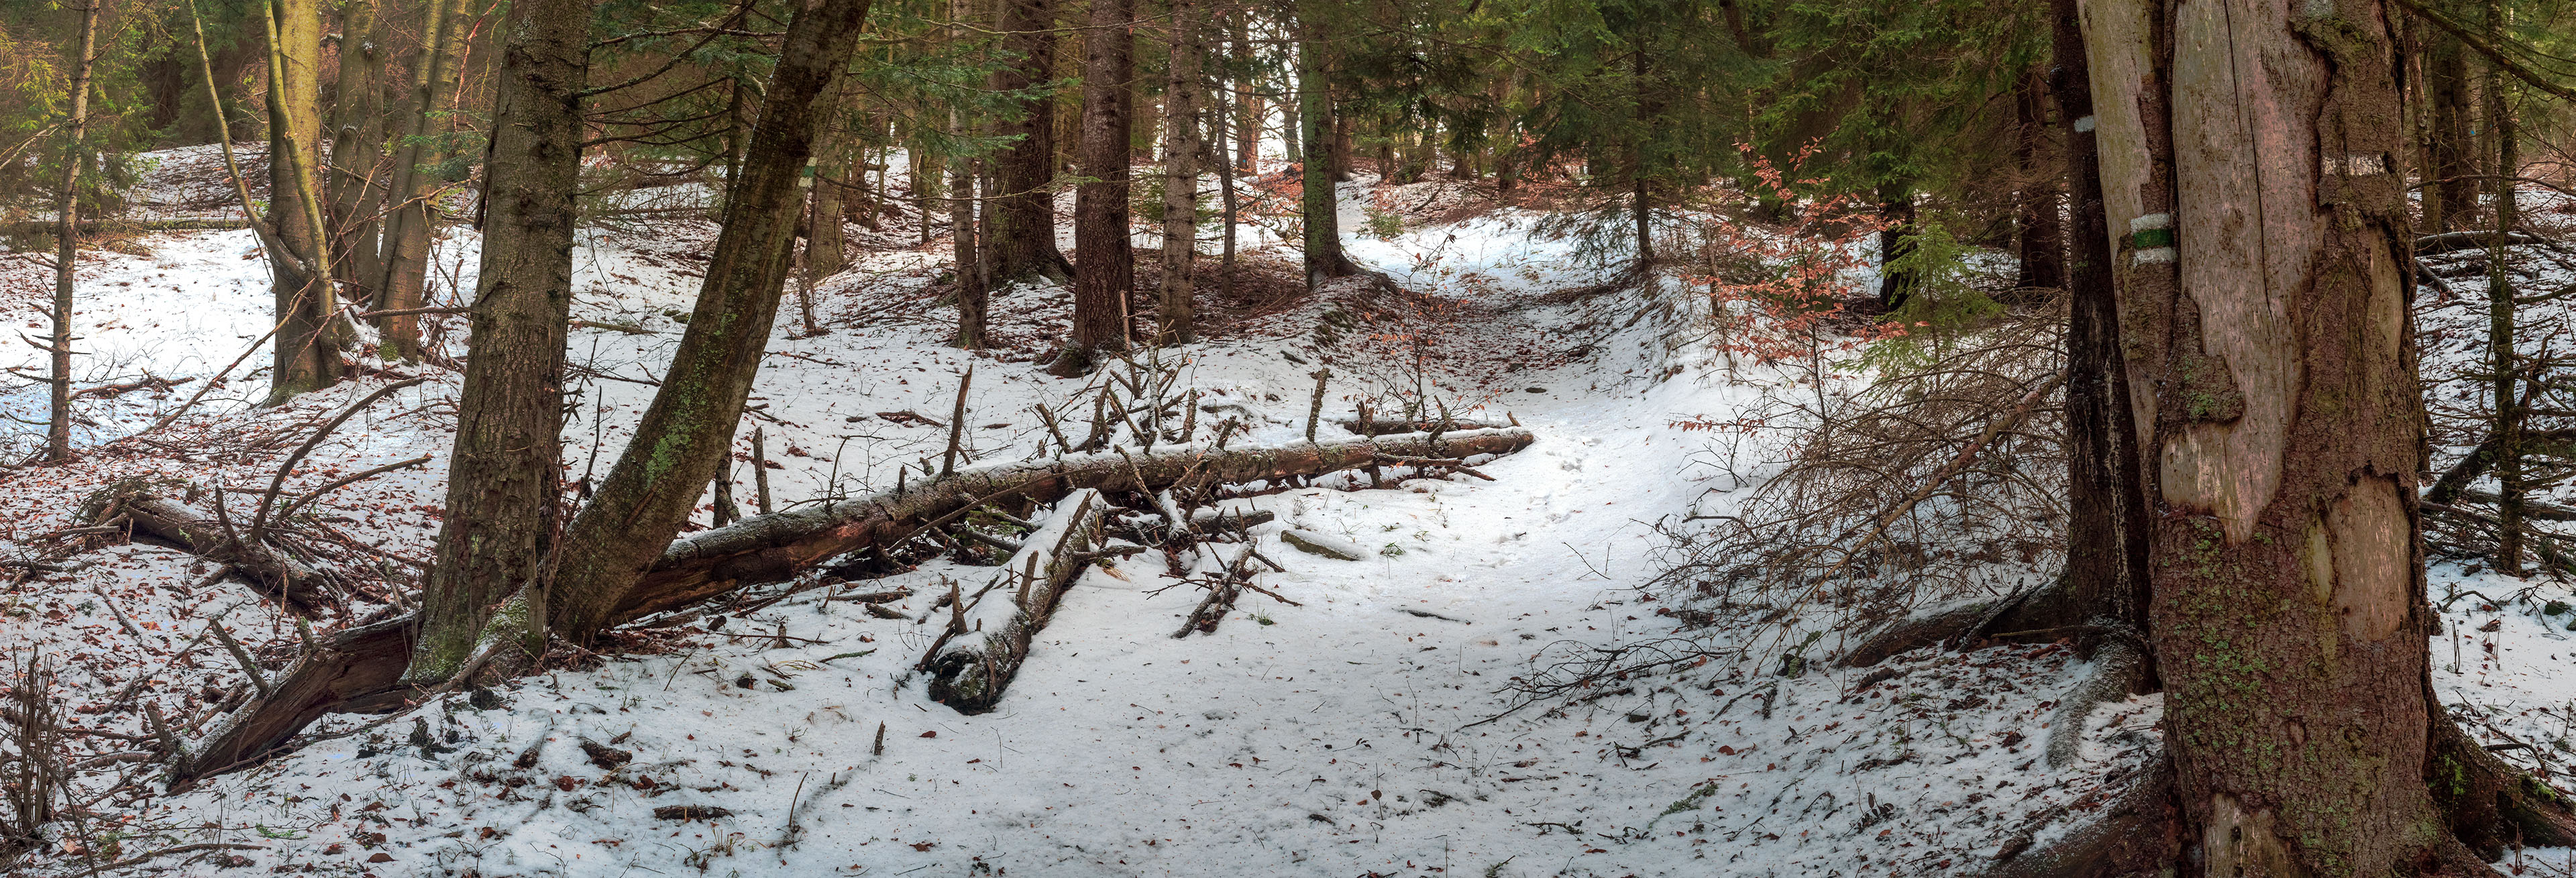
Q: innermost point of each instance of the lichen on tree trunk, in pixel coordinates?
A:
(505, 476)
(686, 431)
(2263, 305)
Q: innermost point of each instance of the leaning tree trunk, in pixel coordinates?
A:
(308, 346)
(1023, 244)
(435, 71)
(1107, 273)
(505, 475)
(58, 420)
(357, 143)
(686, 432)
(1181, 148)
(2263, 304)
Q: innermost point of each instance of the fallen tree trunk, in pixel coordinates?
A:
(362, 667)
(352, 671)
(47, 227)
(769, 548)
(1383, 426)
(2475, 239)
(970, 672)
(270, 572)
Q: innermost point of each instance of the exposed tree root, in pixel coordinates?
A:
(2119, 669)
(2140, 833)
(2489, 804)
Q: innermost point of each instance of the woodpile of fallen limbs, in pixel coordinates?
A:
(1908, 492)
(273, 550)
(358, 669)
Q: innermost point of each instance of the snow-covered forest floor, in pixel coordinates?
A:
(1372, 729)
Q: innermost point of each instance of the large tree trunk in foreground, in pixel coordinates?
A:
(434, 74)
(361, 669)
(1107, 272)
(686, 433)
(58, 421)
(308, 346)
(2263, 300)
(505, 475)
(1023, 244)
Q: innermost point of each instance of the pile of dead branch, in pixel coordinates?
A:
(263, 536)
(1155, 500)
(1943, 478)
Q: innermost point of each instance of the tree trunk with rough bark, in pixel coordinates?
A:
(1319, 203)
(357, 148)
(826, 249)
(2106, 558)
(2506, 382)
(505, 474)
(974, 295)
(2041, 240)
(2264, 311)
(1247, 104)
(2452, 201)
(1106, 275)
(308, 345)
(434, 74)
(684, 435)
(58, 420)
(1230, 205)
(1173, 320)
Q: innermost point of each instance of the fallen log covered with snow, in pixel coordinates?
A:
(360, 669)
(989, 631)
(770, 548)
